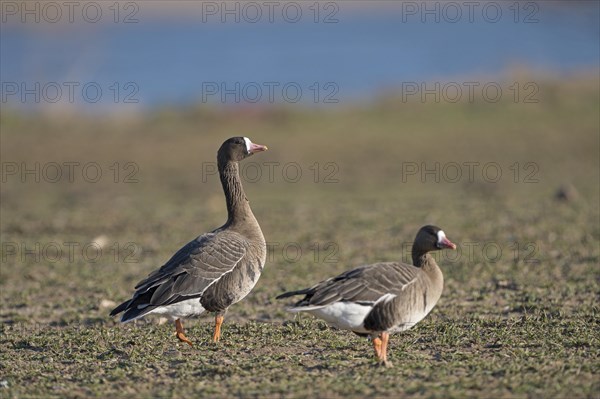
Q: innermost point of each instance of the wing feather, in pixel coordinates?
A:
(366, 284)
(189, 272)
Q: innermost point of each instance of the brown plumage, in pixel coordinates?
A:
(381, 298)
(216, 269)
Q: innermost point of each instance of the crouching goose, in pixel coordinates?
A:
(381, 298)
(216, 269)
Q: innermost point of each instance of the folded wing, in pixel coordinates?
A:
(196, 266)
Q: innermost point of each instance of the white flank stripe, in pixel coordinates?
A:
(386, 298)
(343, 315)
(187, 308)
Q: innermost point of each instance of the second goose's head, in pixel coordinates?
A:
(431, 238)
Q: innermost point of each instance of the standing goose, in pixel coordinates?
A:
(381, 298)
(216, 269)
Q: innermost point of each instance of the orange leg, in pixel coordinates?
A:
(384, 344)
(377, 347)
(218, 321)
(179, 333)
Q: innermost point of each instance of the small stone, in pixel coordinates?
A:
(106, 303)
(3, 384)
(101, 241)
(566, 193)
(506, 284)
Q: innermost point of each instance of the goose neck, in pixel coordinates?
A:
(238, 207)
(423, 260)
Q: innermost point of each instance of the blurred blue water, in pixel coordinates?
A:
(177, 61)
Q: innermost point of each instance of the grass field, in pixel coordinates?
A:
(518, 316)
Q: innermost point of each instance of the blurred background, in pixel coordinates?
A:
(173, 53)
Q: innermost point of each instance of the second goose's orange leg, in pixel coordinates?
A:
(218, 321)
(377, 347)
(179, 333)
(385, 337)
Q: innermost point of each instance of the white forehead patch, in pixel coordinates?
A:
(441, 236)
(248, 143)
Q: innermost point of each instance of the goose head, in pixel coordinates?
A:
(432, 238)
(237, 148)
